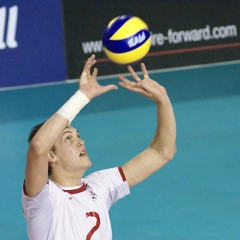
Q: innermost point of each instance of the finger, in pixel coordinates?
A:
(92, 56)
(144, 70)
(128, 85)
(135, 88)
(123, 79)
(95, 72)
(90, 62)
(133, 73)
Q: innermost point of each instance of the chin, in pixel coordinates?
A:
(88, 164)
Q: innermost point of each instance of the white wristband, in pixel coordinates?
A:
(73, 106)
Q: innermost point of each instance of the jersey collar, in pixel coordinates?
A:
(80, 189)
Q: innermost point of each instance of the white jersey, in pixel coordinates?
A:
(58, 213)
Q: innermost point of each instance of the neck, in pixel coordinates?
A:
(66, 181)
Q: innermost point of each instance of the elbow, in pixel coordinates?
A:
(170, 153)
(37, 147)
(174, 151)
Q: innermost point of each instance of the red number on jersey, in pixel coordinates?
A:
(95, 228)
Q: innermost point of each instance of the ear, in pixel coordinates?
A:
(51, 157)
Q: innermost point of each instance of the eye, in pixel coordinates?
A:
(68, 138)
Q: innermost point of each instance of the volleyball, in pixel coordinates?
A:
(126, 40)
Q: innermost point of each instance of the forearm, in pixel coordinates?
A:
(160, 151)
(164, 140)
(53, 127)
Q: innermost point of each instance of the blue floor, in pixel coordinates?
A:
(194, 197)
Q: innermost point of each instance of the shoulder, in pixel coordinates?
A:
(110, 183)
(107, 180)
(110, 174)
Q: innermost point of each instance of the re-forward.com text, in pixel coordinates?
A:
(194, 35)
(176, 37)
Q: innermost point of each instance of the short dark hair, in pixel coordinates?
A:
(33, 131)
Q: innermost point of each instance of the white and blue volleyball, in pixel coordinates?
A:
(126, 40)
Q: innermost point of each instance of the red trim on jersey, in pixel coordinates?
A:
(78, 190)
(122, 174)
(24, 188)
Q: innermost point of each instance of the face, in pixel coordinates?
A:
(70, 152)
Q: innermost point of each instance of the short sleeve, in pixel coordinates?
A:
(38, 212)
(110, 184)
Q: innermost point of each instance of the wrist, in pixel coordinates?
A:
(73, 106)
(85, 92)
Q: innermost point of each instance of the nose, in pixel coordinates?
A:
(80, 142)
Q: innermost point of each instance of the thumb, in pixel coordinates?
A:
(109, 88)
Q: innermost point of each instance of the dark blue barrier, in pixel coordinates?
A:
(31, 43)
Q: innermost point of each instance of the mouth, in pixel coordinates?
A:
(83, 153)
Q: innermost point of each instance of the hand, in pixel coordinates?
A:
(146, 87)
(88, 82)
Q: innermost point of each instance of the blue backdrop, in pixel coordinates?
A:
(31, 42)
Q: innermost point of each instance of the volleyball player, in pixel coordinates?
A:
(59, 202)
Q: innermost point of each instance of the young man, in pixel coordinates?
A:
(59, 203)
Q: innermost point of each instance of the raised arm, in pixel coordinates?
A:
(162, 147)
(36, 172)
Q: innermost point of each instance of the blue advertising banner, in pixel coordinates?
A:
(31, 42)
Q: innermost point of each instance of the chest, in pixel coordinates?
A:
(83, 216)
